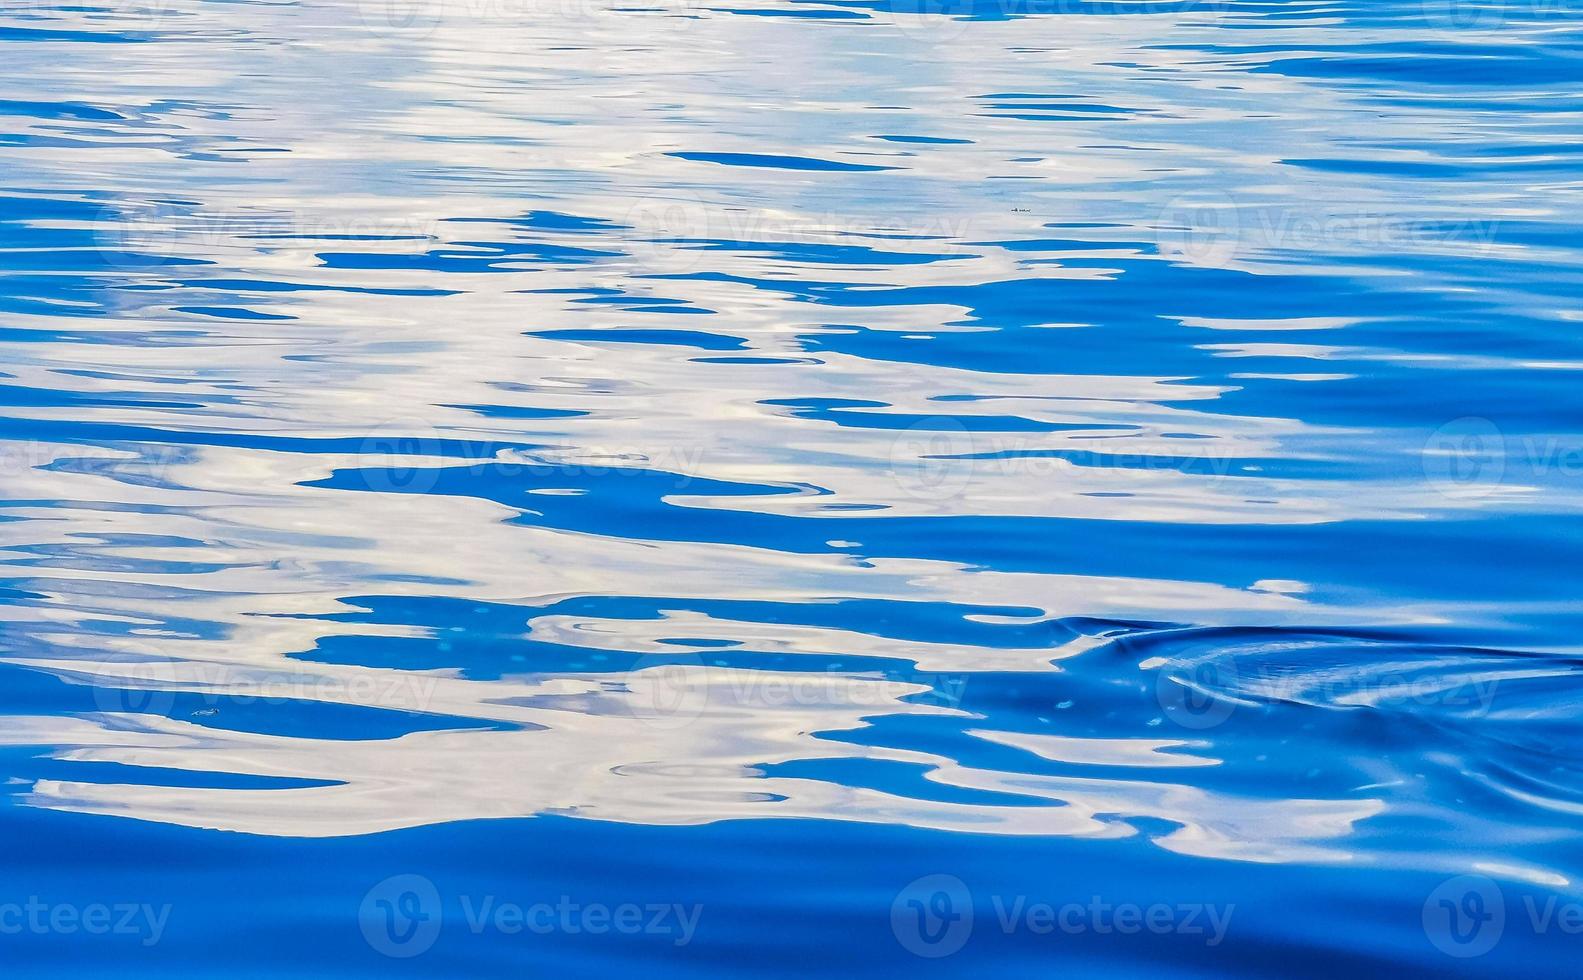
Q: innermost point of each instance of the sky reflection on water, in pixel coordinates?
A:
(791, 451)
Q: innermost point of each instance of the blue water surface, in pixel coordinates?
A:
(591, 487)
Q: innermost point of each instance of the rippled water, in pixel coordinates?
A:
(1031, 485)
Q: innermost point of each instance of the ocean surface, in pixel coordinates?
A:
(791, 487)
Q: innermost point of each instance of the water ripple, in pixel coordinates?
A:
(1073, 448)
